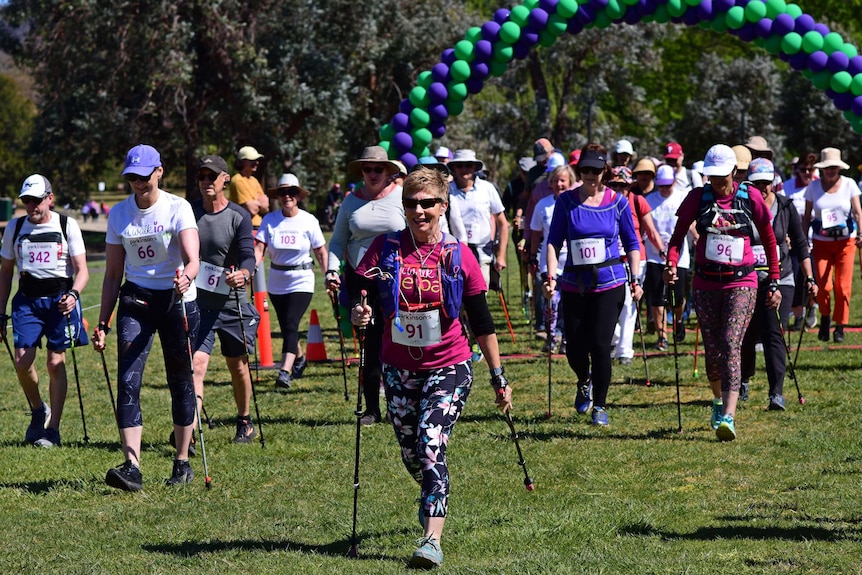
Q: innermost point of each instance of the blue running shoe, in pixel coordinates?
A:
(428, 555)
(717, 412)
(584, 397)
(726, 430)
(600, 417)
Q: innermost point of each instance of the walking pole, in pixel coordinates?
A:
(696, 333)
(550, 353)
(248, 366)
(111, 392)
(353, 551)
(801, 332)
(334, 299)
(506, 312)
(791, 363)
(528, 481)
(77, 380)
(639, 327)
(208, 479)
(675, 357)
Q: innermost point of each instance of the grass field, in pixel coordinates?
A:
(636, 498)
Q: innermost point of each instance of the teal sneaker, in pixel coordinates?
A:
(726, 430)
(717, 412)
(428, 555)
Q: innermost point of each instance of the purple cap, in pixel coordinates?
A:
(142, 160)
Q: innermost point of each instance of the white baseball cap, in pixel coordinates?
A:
(720, 160)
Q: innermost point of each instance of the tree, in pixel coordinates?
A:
(16, 127)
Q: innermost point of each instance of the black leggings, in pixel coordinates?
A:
(764, 324)
(289, 308)
(589, 324)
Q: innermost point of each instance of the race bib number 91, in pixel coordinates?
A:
(421, 328)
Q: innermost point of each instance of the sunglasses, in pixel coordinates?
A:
(427, 203)
(593, 171)
(132, 178)
(618, 185)
(31, 200)
(374, 169)
(807, 170)
(288, 192)
(207, 176)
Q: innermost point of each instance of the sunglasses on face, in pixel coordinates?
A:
(427, 203)
(762, 184)
(26, 200)
(805, 170)
(374, 169)
(207, 176)
(593, 171)
(132, 178)
(288, 193)
(618, 185)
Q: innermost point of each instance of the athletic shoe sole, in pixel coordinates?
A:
(115, 479)
(725, 432)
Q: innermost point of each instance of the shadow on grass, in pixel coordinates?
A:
(800, 533)
(46, 486)
(602, 435)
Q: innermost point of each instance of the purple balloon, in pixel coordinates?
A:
(798, 61)
(837, 61)
(448, 56)
(676, 19)
(483, 50)
(631, 16)
(721, 6)
(520, 51)
(856, 105)
(538, 19)
(822, 28)
(501, 16)
(843, 101)
(690, 17)
(480, 71)
(528, 38)
(440, 73)
(803, 24)
(574, 27)
(408, 159)
(491, 30)
(474, 85)
(437, 92)
(647, 7)
(405, 106)
(585, 14)
(817, 61)
(400, 122)
(438, 113)
(783, 57)
(747, 33)
(437, 131)
(549, 6)
(402, 141)
(783, 24)
(599, 4)
(855, 65)
(763, 28)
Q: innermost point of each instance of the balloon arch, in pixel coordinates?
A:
(824, 57)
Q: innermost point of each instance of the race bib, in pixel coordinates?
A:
(587, 251)
(469, 229)
(421, 328)
(38, 256)
(287, 240)
(724, 249)
(833, 218)
(146, 250)
(211, 278)
(760, 259)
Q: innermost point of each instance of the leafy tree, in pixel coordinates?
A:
(16, 127)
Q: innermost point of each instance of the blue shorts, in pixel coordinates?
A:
(225, 323)
(34, 317)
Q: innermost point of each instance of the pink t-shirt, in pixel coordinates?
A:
(453, 346)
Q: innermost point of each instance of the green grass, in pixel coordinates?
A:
(637, 498)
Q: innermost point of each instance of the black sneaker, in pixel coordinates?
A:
(192, 451)
(39, 419)
(369, 418)
(245, 432)
(126, 477)
(298, 367)
(679, 333)
(181, 474)
(283, 380)
(838, 334)
(823, 334)
(743, 390)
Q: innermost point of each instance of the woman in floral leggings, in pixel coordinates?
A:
(423, 277)
(725, 282)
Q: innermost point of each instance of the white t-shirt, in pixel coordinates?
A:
(683, 183)
(289, 242)
(477, 206)
(795, 194)
(664, 218)
(834, 208)
(41, 249)
(151, 239)
(543, 213)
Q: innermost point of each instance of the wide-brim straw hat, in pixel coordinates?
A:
(830, 157)
(467, 157)
(372, 155)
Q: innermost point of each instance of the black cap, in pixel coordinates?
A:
(213, 163)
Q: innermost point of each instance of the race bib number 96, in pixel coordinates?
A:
(724, 249)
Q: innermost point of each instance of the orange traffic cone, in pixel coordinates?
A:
(314, 349)
(264, 335)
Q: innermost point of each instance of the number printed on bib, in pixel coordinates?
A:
(421, 328)
(760, 260)
(146, 250)
(38, 256)
(833, 218)
(211, 278)
(287, 240)
(724, 249)
(587, 251)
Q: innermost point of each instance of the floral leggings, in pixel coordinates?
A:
(724, 315)
(424, 406)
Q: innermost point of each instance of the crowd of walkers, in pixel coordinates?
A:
(598, 232)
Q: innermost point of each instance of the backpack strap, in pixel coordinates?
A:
(19, 223)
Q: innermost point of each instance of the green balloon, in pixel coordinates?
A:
(832, 42)
(510, 32)
(857, 124)
(421, 151)
(474, 34)
(693, 3)
(457, 91)
(419, 97)
(735, 17)
(614, 9)
(773, 44)
(841, 81)
(546, 39)
(464, 51)
(568, 8)
(460, 70)
(676, 8)
(812, 41)
(794, 10)
(419, 117)
(503, 53)
(422, 135)
(807, 73)
(424, 79)
(386, 132)
(719, 24)
(856, 85)
(386, 145)
(661, 16)
(755, 11)
(519, 15)
(454, 107)
(791, 44)
(821, 79)
(629, 2)
(557, 25)
(850, 50)
(759, 42)
(497, 68)
(706, 24)
(849, 115)
(530, 4)
(775, 7)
